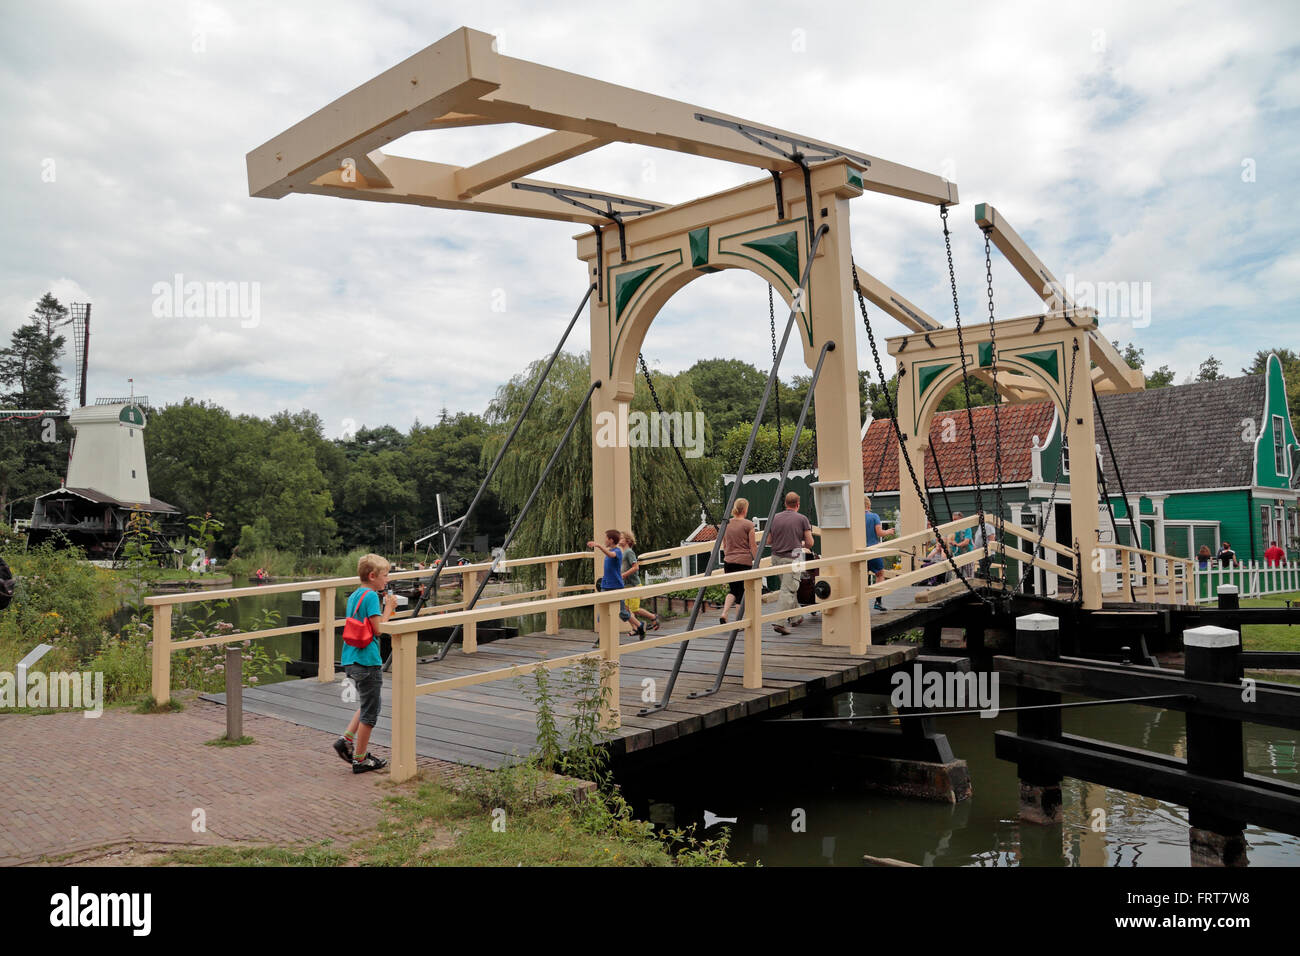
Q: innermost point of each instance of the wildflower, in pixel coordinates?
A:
(252, 680)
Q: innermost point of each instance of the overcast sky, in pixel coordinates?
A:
(1151, 143)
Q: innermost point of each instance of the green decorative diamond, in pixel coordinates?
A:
(625, 286)
(986, 354)
(855, 179)
(783, 249)
(699, 247)
(1045, 359)
(926, 374)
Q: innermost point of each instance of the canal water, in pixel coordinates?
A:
(795, 803)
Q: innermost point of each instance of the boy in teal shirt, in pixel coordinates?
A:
(363, 665)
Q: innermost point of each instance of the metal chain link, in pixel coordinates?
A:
(965, 384)
(997, 399)
(704, 508)
(902, 447)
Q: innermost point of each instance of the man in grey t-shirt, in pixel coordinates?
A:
(789, 533)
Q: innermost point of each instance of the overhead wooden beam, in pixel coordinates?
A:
(531, 156)
(1048, 288)
(909, 314)
(462, 80)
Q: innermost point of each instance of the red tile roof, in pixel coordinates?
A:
(1019, 425)
(708, 532)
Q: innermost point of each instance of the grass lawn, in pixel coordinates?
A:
(429, 824)
(1271, 637)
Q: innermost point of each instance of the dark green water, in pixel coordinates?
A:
(769, 783)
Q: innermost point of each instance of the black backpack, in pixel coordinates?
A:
(7, 585)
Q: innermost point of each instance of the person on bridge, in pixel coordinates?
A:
(876, 533)
(739, 546)
(788, 535)
(612, 577)
(632, 579)
(362, 662)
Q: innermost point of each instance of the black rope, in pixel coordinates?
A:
(704, 507)
(1119, 476)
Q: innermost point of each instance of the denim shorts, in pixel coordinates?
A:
(369, 682)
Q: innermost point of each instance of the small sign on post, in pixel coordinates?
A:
(234, 694)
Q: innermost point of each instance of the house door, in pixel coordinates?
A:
(1064, 534)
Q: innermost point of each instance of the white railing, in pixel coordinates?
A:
(1251, 578)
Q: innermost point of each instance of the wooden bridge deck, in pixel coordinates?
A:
(492, 724)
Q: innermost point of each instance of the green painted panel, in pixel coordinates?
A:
(1266, 469)
(986, 354)
(783, 249)
(1046, 359)
(1226, 507)
(625, 286)
(926, 374)
(699, 246)
(854, 178)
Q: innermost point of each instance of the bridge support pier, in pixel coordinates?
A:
(1038, 637)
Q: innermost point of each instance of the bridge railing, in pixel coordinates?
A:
(329, 622)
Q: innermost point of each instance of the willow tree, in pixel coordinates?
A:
(665, 509)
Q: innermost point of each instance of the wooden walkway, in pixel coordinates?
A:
(492, 724)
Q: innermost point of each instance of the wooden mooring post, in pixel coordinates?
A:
(234, 693)
(1038, 638)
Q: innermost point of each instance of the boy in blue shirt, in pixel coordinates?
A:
(875, 534)
(363, 665)
(612, 577)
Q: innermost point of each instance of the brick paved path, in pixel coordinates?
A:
(69, 784)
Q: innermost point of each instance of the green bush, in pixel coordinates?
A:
(279, 564)
(60, 600)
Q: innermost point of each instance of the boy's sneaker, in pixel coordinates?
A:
(371, 762)
(343, 748)
(640, 632)
(878, 606)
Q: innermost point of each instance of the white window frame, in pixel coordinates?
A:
(1281, 460)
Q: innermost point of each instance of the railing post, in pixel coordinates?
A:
(1150, 576)
(754, 634)
(325, 643)
(610, 718)
(1214, 744)
(403, 766)
(552, 592)
(857, 577)
(162, 653)
(468, 632)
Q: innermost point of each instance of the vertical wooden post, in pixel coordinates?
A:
(753, 634)
(1082, 437)
(610, 719)
(1214, 745)
(1038, 638)
(469, 632)
(234, 693)
(403, 766)
(1150, 579)
(552, 591)
(325, 644)
(857, 578)
(1229, 597)
(162, 653)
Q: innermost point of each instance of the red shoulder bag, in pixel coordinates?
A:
(358, 632)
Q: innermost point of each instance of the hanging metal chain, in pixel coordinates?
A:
(902, 448)
(965, 385)
(654, 396)
(997, 399)
(771, 317)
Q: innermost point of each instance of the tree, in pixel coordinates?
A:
(1290, 372)
(30, 462)
(1211, 370)
(768, 455)
(664, 508)
(1160, 378)
(1133, 355)
(728, 391)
